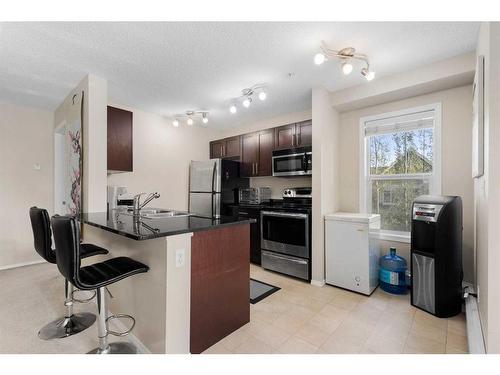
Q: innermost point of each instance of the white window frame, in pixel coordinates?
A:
(364, 160)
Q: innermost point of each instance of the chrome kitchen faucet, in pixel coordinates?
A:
(138, 206)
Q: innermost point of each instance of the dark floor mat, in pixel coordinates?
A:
(260, 290)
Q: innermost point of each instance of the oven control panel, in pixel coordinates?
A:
(426, 212)
(305, 192)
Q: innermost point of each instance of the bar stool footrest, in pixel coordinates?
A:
(83, 300)
(120, 316)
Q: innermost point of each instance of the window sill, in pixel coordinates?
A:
(387, 236)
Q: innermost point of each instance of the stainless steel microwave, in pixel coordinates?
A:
(292, 162)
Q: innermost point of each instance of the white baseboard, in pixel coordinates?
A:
(17, 265)
(475, 338)
(115, 324)
(319, 283)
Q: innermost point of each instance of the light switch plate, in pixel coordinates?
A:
(180, 258)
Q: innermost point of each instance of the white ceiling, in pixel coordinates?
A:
(168, 68)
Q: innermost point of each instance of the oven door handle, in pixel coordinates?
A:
(291, 259)
(283, 214)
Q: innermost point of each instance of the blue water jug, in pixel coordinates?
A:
(392, 273)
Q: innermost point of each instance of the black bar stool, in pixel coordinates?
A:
(71, 323)
(96, 276)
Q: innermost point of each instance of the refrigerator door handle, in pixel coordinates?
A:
(213, 189)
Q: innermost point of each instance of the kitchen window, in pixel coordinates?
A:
(400, 160)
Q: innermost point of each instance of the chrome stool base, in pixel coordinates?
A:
(65, 327)
(116, 348)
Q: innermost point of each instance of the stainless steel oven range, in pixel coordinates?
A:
(286, 235)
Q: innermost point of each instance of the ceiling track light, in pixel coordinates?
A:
(190, 117)
(346, 55)
(246, 97)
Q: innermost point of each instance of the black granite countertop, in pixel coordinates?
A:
(147, 228)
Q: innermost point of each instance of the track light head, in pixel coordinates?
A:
(262, 95)
(175, 123)
(346, 68)
(190, 121)
(319, 58)
(247, 102)
(233, 109)
(204, 118)
(368, 74)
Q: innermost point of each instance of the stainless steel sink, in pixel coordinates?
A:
(158, 213)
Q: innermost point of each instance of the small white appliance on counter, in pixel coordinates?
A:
(352, 251)
(118, 196)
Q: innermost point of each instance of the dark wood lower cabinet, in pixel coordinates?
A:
(220, 284)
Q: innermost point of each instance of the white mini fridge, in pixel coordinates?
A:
(352, 251)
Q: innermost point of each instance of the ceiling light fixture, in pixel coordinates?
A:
(346, 55)
(247, 95)
(190, 117)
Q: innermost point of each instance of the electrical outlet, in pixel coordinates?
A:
(180, 258)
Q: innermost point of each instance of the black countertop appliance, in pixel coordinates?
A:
(436, 255)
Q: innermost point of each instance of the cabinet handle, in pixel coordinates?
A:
(300, 139)
(256, 168)
(253, 169)
(221, 150)
(293, 139)
(224, 150)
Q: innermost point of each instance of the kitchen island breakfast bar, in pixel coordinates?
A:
(197, 288)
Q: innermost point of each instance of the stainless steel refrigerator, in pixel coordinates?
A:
(213, 186)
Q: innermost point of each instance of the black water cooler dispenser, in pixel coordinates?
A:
(436, 255)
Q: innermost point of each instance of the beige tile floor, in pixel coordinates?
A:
(31, 297)
(301, 318)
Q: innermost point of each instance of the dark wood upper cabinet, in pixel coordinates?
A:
(255, 150)
(266, 146)
(293, 135)
(249, 154)
(256, 153)
(303, 131)
(228, 148)
(232, 147)
(216, 148)
(120, 140)
(284, 136)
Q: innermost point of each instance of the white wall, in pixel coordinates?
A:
(487, 194)
(162, 154)
(26, 139)
(456, 158)
(94, 139)
(277, 184)
(325, 179)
